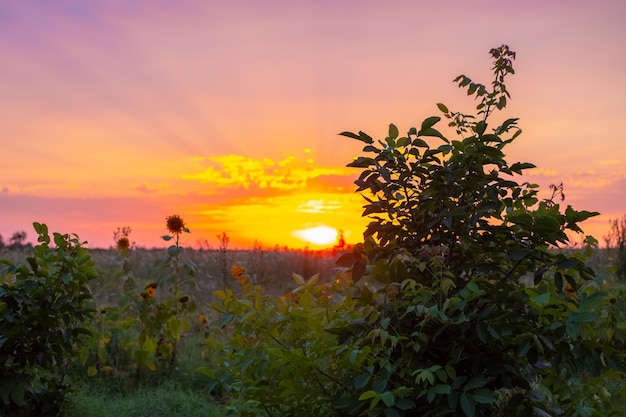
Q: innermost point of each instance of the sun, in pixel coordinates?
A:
(318, 235)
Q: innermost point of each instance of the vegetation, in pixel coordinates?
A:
(465, 299)
(43, 306)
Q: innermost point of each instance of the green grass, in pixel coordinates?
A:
(170, 398)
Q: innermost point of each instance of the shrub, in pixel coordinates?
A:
(43, 306)
(452, 326)
(277, 358)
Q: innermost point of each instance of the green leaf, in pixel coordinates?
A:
(348, 259)
(362, 162)
(367, 395)
(17, 395)
(393, 131)
(429, 122)
(475, 382)
(542, 299)
(166, 237)
(546, 225)
(558, 281)
(174, 251)
(484, 396)
(361, 136)
(442, 107)
(358, 270)
(361, 380)
(432, 132)
(297, 278)
(467, 404)
(388, 398)
(420, 143)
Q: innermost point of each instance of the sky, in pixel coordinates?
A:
(120, 113)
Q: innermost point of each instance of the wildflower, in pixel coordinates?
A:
(123, 244)
(570, 291)
(150, 291)
(176, 225)
(238, 271)
(202, 319)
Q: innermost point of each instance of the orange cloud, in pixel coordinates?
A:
(240, 171)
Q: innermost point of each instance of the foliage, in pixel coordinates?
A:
(43, 305)
(141, 331)
(452, 243)
(278, 356)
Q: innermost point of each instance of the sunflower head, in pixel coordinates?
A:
(612, 300)
(175, 224)
(123, 244)
(238, 271)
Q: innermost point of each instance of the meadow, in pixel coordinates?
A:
(185, 389)
(466, 298)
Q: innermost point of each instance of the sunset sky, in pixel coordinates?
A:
(227, 113)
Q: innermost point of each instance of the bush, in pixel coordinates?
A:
(43, 306)
(452, 243)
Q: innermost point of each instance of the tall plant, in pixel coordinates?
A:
(452, 326)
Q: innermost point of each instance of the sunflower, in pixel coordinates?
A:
(123, 244)
(237, 271)
(175, 224)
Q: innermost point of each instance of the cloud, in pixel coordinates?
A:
(148, 188)
(319, 206)
(234, 171)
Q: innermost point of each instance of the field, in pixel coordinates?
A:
(180, 391)
(125, 387)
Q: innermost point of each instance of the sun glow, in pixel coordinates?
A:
(319, 235)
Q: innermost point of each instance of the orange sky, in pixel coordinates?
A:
(118, 113)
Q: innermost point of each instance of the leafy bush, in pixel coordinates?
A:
(453, 242)
(43, 306)
(274, 355)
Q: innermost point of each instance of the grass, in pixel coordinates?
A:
(169, 398)
(181, 393)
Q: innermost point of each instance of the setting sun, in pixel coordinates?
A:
(319, 235)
